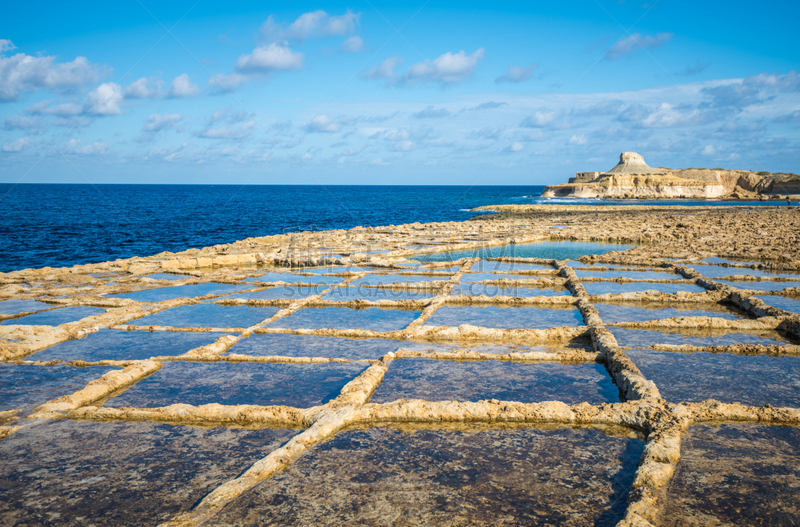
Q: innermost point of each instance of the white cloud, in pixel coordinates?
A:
(450, 68)
(516, 146)
(104, 100)
(229, 115)
(628, 45)
(315, 24)
(517, 74)
(323, 124)
(20, 144)
(222, 83)
(431, 113)
(489, 105)
(6, 45)
(352, 45)
(25, 73)
(578, 139)
(21, 122)
(140, 89)
(182, 86)
(274, 57)
(158, 122)
(709, 150)
(229, 132)
(73, 146)
(541, 119)
(384, 70)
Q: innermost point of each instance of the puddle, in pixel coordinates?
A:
(339, 269)
(290, 278)
(506, 317)
(580, 265)
(735, 474)
(760, 286)
(55, 316)
(298, 385)
(475, 289)
(208, 316)
(25, 387)
(694, 377)
(614, 288)
(290, 292)
(344, 294)
(443, 380)
(547, 250)
(386, 279)
(498, 349)
(182, 291)
(488, 266)
(718, 260)
(633, 275)
(716, 271)
(502, 476)
(288, 345)
(611, 313)
(373, 318)
(91, 473)
(12, 307)
(167, 276)
(791, 305)
(640, 338)
(113, 344)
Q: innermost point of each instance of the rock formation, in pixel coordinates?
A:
(633, 178)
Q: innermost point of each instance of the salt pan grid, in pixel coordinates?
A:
(319, 435)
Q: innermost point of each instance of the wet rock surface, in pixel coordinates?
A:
(735, 474)
(449, 477)
(466, 339)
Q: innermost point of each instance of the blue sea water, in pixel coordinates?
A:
(64, 225)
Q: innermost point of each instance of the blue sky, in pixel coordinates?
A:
(392, 92)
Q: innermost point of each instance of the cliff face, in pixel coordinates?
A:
(632, 178)
(638, 186)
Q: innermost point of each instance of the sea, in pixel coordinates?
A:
(63, 225)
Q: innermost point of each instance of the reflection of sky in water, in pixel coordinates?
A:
(791, 305)
(548, 250)
(208, 316)
(373, 318)
(614, 288)
(611, 313)
(55, 317)
(506, 317)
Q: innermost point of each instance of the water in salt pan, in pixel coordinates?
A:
(281, 292)
(633, 275)
(640, 312)
(25, 387)
(78, 473)
(373, 318)
(167, 276)
(208, 316)
(113, 344)
(291, 278)
(444, 380)
(792, 305)
(735, 474)
(760, 286)
(373, 294)
(182, 291)
(614, 288)
(545, 250)
(476, 289)
(457, 476)
(640, 338)
(266, 384)
(385, 279)
(695, 377)
(55, 317)
(489, 266)
(716, 271)
(288, 345)
(506, 317)
(15, 306)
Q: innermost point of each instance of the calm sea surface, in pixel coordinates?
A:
(64, 225)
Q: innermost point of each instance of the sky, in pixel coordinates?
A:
(377, 92)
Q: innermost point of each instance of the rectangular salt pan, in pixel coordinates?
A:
(373, 294)
(476, 289)
(611, 313)
(443, 380)
(288, 345)
(182, 291)
(506, 317)
(373, 318)
(266, 384)
(55, 317)
(25, 387)
(512, 476)
(112, 344)
(615, 288)
(208, 316)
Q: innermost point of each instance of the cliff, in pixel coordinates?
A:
(632, 178)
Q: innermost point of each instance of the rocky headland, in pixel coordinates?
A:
(633, 178)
